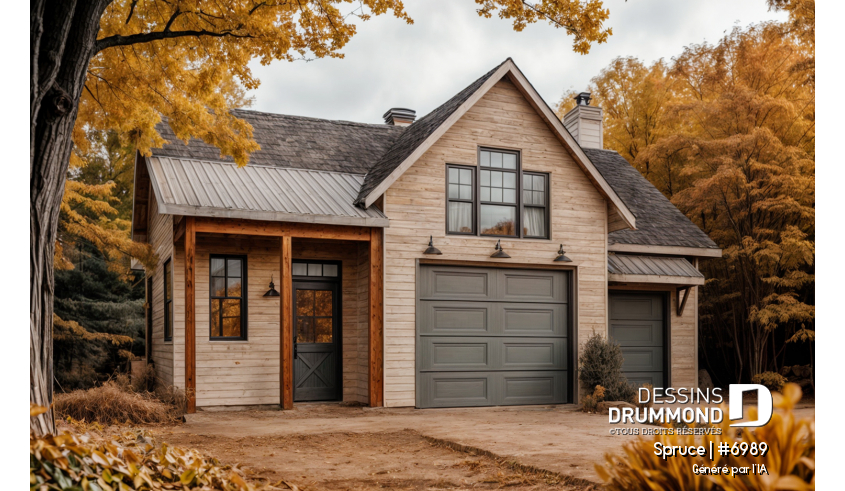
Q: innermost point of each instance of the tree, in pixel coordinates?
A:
(126, 64)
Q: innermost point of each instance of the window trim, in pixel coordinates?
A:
(167, 302)
(546, 206)
(242, 298)
(472, 201)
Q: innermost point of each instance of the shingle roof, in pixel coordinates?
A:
(659, 222)
(298, 142)
(416, 134)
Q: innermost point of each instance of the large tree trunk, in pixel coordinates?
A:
(62, 38)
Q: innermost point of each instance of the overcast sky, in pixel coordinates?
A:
(391, 64)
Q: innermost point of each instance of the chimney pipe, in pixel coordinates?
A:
(584, 122)
(400, 116)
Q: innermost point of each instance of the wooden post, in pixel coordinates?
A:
(286, 315)
(190, 315)
(376, 324)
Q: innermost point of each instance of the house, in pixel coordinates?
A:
(459, 259)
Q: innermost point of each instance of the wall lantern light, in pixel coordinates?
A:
(431, 249)
(561, 256)
(272, 291)
(500, 253)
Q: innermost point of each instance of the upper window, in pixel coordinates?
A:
(228, 297)
(168, 301)
(509, 203)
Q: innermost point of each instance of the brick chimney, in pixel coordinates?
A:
(584, 122)
(400, 116)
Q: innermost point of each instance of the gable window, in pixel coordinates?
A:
(228, 297)
(509, 202)
(168, 301)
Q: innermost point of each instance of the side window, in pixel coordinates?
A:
(460, 194)
(535, 204)
(498, 173)
(168, 301)
(228, 297)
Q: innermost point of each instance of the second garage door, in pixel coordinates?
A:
(490, 336)
(637, 324)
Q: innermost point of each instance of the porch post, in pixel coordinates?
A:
(286, 315)
(376, 324)
(190, 315)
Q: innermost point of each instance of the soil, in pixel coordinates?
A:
(398, 460)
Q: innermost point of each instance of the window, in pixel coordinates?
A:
(168, 301)
(500, 207)
(460, 200)
(228, 297)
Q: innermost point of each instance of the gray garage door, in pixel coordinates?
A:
(489, 337)
(636, 323)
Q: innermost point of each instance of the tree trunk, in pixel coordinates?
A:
(62, 38)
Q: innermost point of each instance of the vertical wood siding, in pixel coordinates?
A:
(417, 208)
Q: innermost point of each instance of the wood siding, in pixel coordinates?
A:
(417, 209)
(161, 238)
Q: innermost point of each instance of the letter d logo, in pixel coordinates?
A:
(764, 404)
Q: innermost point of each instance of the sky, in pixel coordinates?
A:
(391, 64)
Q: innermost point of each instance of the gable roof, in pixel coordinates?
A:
(297, 142)
(659, 222)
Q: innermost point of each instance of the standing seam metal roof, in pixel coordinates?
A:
(651, 265)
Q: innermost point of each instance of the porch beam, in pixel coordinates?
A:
(376, 324)
(281, 229)
(286, 287)
(190, 315)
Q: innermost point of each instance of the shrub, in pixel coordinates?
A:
(601, 364)
(590, 403)
(643, 405)
(112, 403)
(772, 380)
(790, 460)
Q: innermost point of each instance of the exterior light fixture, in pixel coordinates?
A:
(272, 291)
(431, 249)
(561, 257)
(500, 253)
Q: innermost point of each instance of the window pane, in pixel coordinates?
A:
(299, 269)
(168, 283)
(496, 179)
(509, 180)
(168, 329)
(485, 159)
(323, 330)
(539, 183)
(485, 194)
(215, 317)
(460, 217)
(330, 270)
(496, 160)
(485, 178)
(498, 220)
(453, 174)
(234, 268)
(315, 270)
(304, 302)
(466, 176)
(528, 197)
(509, 196)
(496, 195)
(218, 266)
(539, 198)
(454, 193)
(466, 192)
(534, 223)
(509, 161)
(232, 327)
(218, 287)
(305, 330)
(233, 287)
(231, 308)
(323, 302)
(527, 180)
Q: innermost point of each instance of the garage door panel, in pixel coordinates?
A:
(445, 389)
(638, 379)
(531, 286)
(533, 354)
(642, 359)
(532, 387)
(636, 307)
(536, 319)
(457, 353)
(637, 333)
(457, 283)
(446, 317)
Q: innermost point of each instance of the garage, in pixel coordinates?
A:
(637, 324)
(492, 337)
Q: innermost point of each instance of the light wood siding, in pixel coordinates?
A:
(417, 208)
(161, 240)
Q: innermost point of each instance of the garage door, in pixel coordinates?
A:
(637, 324)
(491, 336)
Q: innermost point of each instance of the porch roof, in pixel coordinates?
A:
(652, 269)
(257, 192)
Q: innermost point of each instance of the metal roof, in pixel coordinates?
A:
(220, 189)
(652, 269)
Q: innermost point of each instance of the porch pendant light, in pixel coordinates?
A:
(561, 256)
(272, 291)
(431, 249)
(500, 253)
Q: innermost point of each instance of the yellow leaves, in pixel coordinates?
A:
(35, 409)
(71, 331)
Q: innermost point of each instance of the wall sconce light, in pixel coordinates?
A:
(561, 257)
(272, 291)
(500, 253)
(431, 249)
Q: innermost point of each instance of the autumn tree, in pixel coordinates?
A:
(124, 65)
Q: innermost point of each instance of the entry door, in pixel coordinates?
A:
(316, 350)
(637, 324)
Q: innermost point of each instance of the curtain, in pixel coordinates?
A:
(460, 217)
(535, 222)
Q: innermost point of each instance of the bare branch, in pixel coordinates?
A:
(118, 40)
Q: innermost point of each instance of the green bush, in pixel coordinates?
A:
(772, 380)
(601, 364)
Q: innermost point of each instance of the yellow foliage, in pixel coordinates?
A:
(790, 460)
(71, 331)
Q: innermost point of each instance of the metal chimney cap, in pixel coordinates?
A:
(399, 115)
(583, 99)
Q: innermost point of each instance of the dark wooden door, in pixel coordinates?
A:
(316, 359)
(637, 324)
